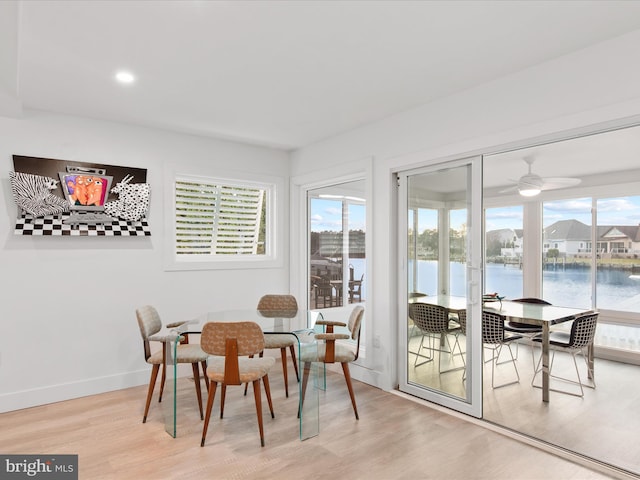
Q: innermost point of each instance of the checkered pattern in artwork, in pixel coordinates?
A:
(52, 225)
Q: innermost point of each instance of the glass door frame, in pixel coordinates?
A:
(472, 405)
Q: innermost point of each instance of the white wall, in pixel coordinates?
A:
(67, 305)
(597, 85)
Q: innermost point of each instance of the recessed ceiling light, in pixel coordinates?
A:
(125, 77)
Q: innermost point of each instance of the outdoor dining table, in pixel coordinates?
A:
(529, 313)
(298, 324)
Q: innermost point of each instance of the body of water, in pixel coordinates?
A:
(616, 289)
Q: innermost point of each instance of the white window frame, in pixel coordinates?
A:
(272, 258)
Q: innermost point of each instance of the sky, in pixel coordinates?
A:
(611, 211)
(326, 214)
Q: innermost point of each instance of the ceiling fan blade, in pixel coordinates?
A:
(554, 183)
(513, 188)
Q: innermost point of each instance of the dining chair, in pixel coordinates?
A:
(283, 306)
(494, 338)
(150, 324)
(412, 326)
(331, 351)
(527, 331)
(462, 321)
(575, 342)
(434, 323)
(229, 345)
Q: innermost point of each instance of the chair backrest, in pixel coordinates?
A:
(278, 305)
(462, 320)
(492, 328)
(429, 318)
(539, 301)
(248, 335)
(417, 294)
(355, 321)
(583, 330)
(355, 325)
(149, 323)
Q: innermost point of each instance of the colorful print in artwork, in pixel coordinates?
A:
(88, 190)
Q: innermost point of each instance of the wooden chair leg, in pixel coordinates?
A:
(267, 391)
(163, 377)
(246, 385)
(292, 348)
(283, 356)
(212, 394)
(347, 377)
(223, 395)
(152, 384)
(204, 374)
(196, 379)
(305, 378)
(258, 399)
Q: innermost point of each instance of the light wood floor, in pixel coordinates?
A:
(394, 439)
(603, 425)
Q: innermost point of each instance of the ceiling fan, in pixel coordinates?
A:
(530, 185)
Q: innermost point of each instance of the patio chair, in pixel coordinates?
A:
(355, 290)
(323, 293)
(576, 342)
(434, 324)
(526, 330)
(494, 338)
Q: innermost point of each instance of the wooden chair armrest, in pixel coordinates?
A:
(164, 337)
(176, 324)
(330, 324)
(332, 337)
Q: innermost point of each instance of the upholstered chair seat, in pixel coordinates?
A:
(250, 369)
(280, 306)
(229, 344)
(330, 351)
(150, 325)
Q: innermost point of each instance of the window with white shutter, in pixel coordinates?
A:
(221, 220)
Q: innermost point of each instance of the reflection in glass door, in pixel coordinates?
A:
(337, 263)
(440, 235)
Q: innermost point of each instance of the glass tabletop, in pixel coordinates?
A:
(299, 324)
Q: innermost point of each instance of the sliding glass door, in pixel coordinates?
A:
(440, 225)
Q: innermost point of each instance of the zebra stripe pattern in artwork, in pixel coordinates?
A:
(32, 193)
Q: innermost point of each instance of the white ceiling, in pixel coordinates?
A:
(286, 73)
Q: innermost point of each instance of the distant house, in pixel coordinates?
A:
(619, 239)
(572, 237)
(568, 237)
(507, 242)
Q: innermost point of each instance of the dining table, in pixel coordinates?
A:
(299, 324)
(544, 316)
(528, 313)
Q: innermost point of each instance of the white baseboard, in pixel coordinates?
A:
(67, 391)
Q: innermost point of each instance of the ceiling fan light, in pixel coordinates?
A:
(530, 185)
(528, 191)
